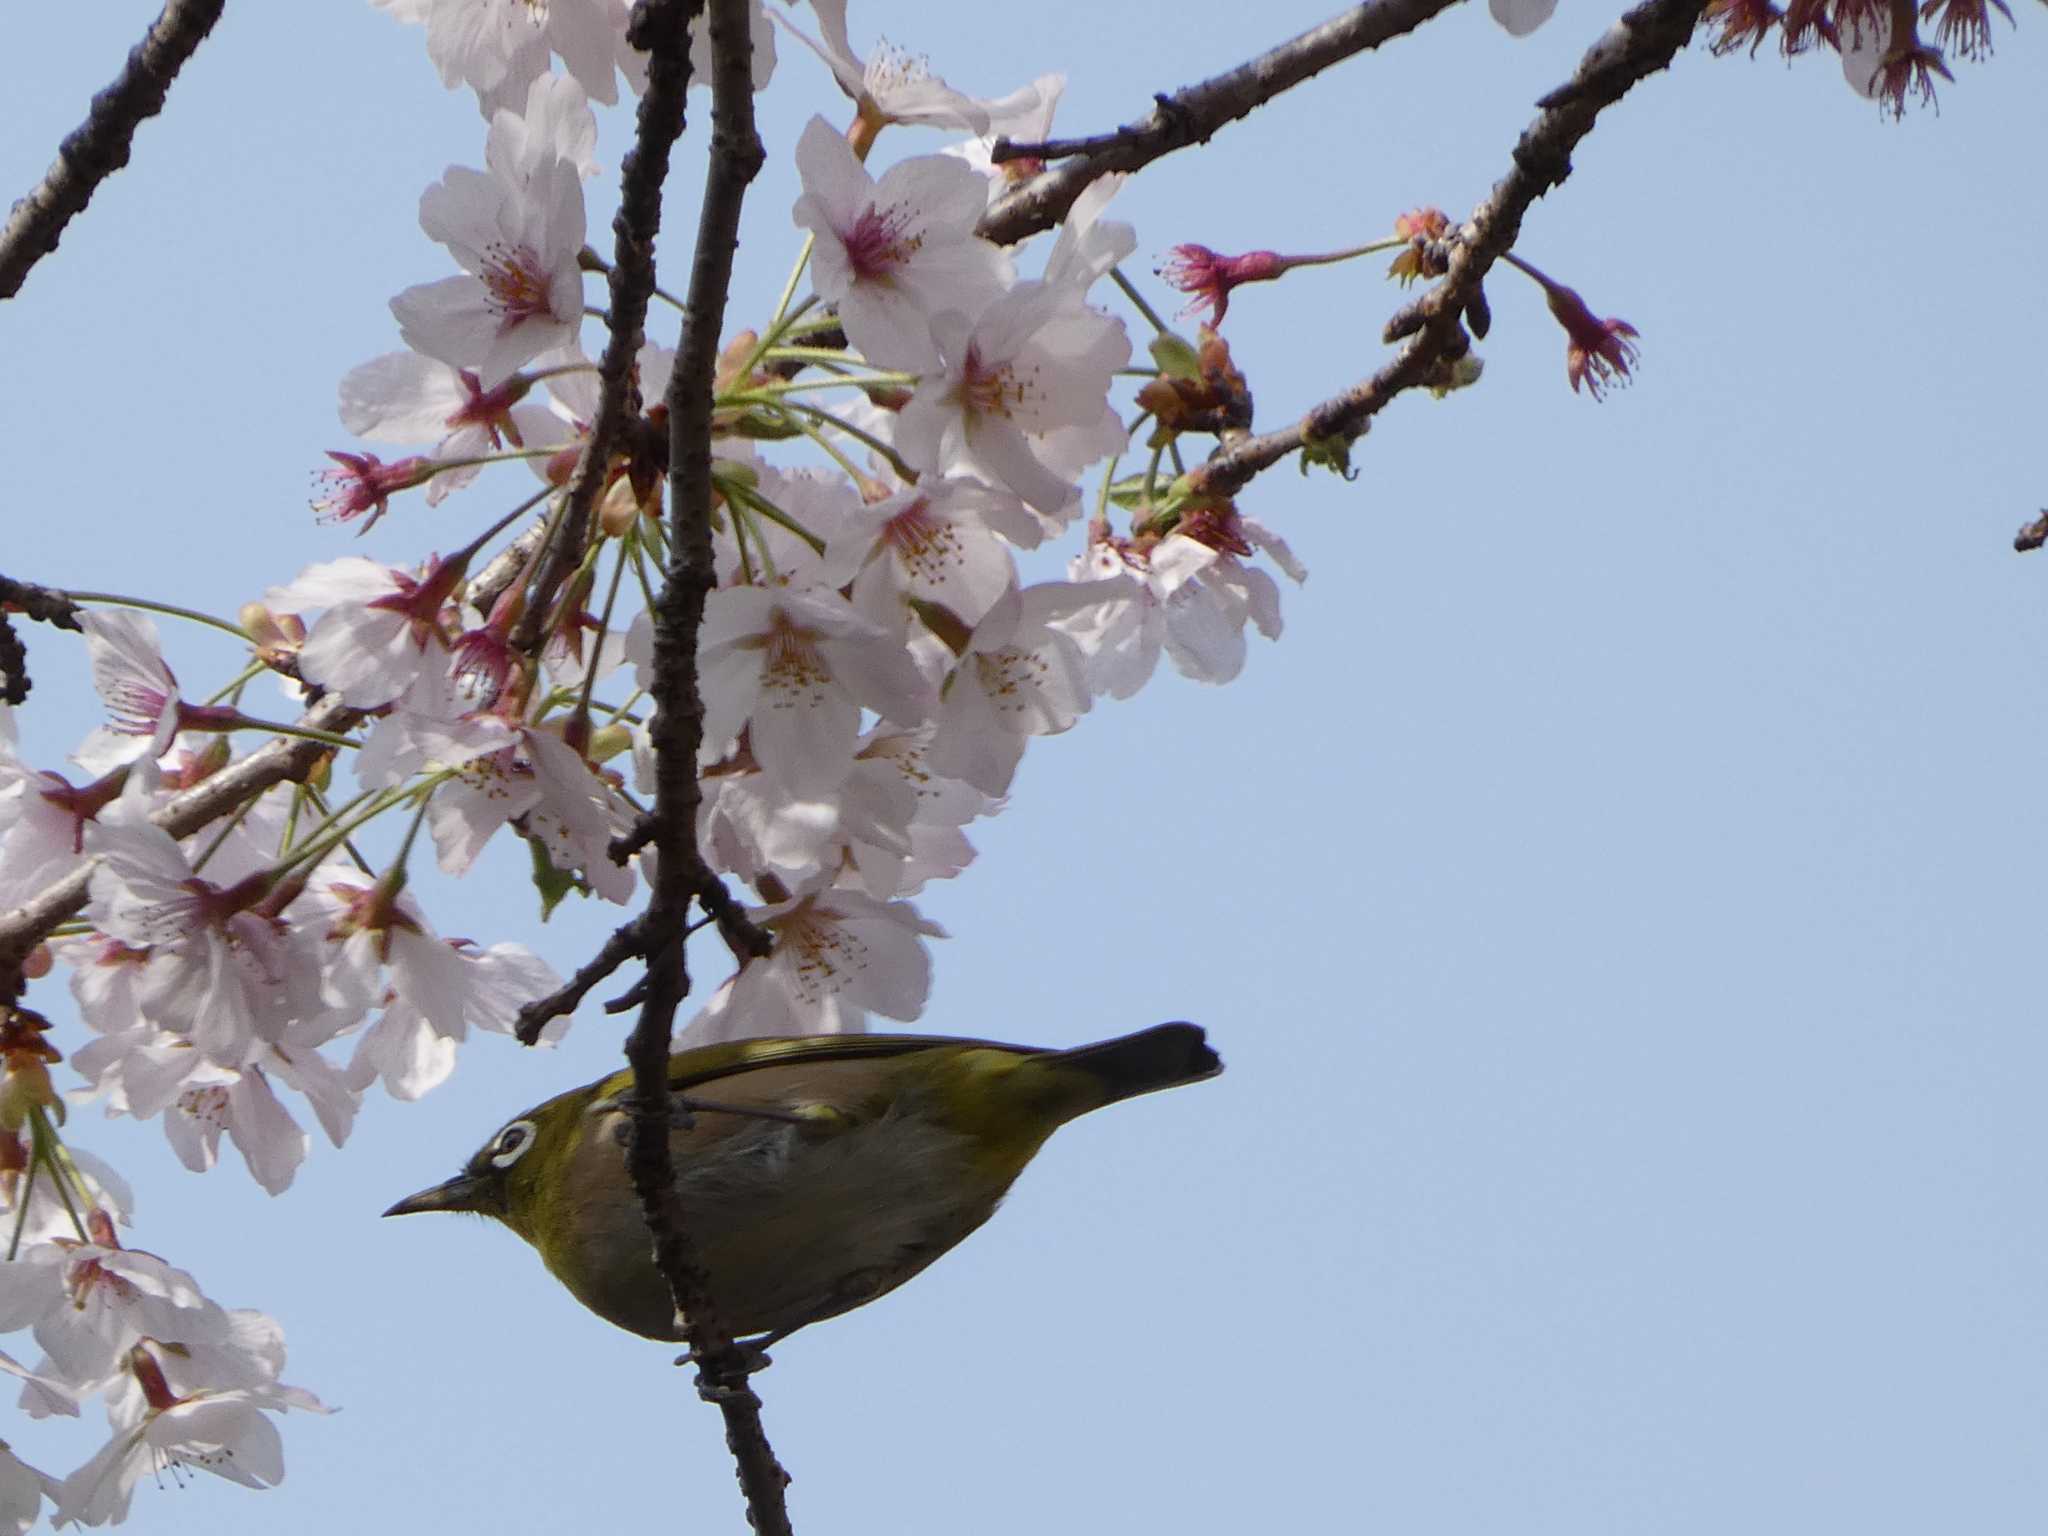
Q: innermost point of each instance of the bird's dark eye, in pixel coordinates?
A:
(511, 1144)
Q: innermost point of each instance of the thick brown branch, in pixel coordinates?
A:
(1642, 42)
(99, 146)
(1191, 115)
(678, 724)
(46, 605)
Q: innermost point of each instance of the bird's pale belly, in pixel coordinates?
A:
(792, 1223)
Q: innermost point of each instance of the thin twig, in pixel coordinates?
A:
(1191, 115)
(1642, 42)
(626, 943)
(631, 281)
(99, 146)
(661, 29)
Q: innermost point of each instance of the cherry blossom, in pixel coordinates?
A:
(893, 253)
(891, 853)
(1188, 594)
(521, 293)
(1035, 361)
(403, 397)
(892, 86)
(221, 969)
(797, 666)
(44, 820)
(139, 690)
(1088, 245)
(891, 825)
(88, 1303)
(1026, 119)
(1598, 353)
(145, 1072)
(156, 1427)
(932, 543)
(553, 122)
(22, 1491)
(495, 47)
(839, 955)
(1019, 676)
(381, 630)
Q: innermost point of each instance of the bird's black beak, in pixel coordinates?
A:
(464, 1192)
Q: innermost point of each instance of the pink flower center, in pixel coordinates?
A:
(823, 956)
(517, 284)
(989, 391)
(924, 545)
(794, 665)
(879, 243)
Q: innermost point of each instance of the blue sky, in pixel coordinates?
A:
(1616, 897)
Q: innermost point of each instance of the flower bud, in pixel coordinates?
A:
(619, 508)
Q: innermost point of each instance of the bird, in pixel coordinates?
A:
(815, 1173)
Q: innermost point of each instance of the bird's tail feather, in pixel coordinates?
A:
(1163, 1056)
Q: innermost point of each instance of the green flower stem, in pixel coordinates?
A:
(782, 317)
(302, 732)
(28, 1189)
(767, 394)
(814, 418)
(331, 818)
(816, 325)
(227, 828)
(825, 355)
(248, 675)
(117, 600)
(412, 833)
(325, 841)
(42, 1137)
(1109, 479)
(542, 375)
(615, 713)
(604, 627)
(1116, 275)
(68, 1165)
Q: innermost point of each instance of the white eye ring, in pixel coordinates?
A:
(512, 1143)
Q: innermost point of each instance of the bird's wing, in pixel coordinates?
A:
(708, 1063)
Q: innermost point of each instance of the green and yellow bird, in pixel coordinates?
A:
(816, 1173)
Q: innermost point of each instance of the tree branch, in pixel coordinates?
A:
(627, 941)
(1191, 115)
(99, 146)
(46, 605)
(631, 284)
(681, 875)
(1642, 42)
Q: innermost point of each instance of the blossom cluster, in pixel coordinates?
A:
(873, 662)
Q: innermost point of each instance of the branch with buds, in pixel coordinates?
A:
(1641, 43)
